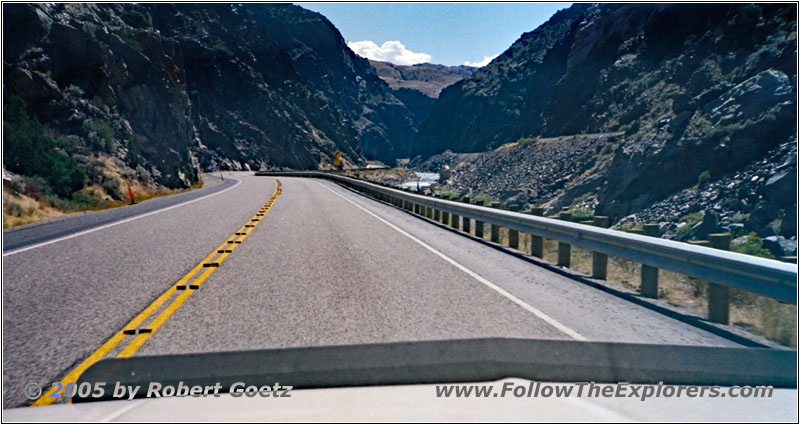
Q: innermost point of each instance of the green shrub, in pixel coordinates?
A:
(685, 232)
(750, 244)
(101, 135)
(447, 192)
(83, 200)
(132, 157)
(579, 214)
(36, 187)
(29, 151)
(14, 209)
(130, 38)
(135, 19)
(703, 178)
(482, 199)
(111, 187)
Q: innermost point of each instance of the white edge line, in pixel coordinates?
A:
(126, 220)
(553, 322)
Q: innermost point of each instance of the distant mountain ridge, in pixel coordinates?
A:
(427, 78)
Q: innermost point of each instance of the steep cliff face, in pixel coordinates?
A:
(487, 108)
(686, 89)
(249, 103)
(164, 90)
(320, 54)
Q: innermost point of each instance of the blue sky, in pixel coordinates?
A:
(443, 33)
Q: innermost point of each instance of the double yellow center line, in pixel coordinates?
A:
(178, 293)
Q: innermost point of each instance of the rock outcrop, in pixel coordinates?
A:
(691, 93)
(172, 89)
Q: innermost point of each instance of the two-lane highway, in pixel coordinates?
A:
(323, 266)
(64, 297)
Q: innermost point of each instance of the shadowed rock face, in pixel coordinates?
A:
(190, 86)
(418, 86)
(688, 88)
(320, 54)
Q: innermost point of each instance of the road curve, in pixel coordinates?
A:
(25, 236)
(323, 266)
(63, 300)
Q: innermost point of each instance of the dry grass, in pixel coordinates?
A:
(20, 209)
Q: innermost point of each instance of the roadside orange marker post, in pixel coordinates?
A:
(130, 192)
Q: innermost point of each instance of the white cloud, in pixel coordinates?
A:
(390, 51)
(484, 62)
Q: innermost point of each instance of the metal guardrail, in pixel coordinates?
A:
(770, 278)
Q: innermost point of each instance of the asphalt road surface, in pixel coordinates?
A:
(321, 266)
(29, 235)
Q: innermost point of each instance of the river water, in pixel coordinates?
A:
(425, 180)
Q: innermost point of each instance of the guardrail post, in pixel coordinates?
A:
(465, 224)
(495, 229)
(537, 242)
(718, 295)
(454, 218)
(599, 259)
(564, 248)
(465, 221)
(513, 235)
(478, 223)
(650, 273)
